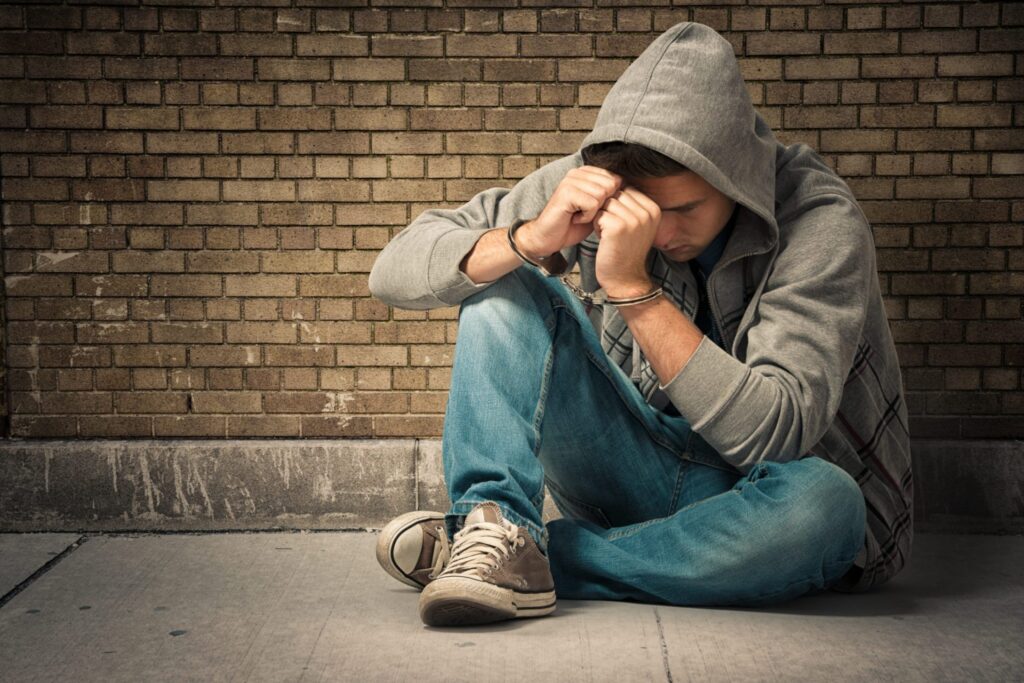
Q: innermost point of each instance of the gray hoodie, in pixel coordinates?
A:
(809, 366)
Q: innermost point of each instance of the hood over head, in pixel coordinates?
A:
(684, 96)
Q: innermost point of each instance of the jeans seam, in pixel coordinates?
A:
(598, 364)
(574, 501)
(634, 528)
(538, 415)
(776, 593)
(680, 475)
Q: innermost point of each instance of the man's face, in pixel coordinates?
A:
(693, 212)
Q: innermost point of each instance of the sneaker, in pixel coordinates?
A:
(496, 571)
(414, 547)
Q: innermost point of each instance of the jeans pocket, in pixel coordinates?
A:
(574, 508)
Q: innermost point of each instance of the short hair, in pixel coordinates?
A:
(631, 160)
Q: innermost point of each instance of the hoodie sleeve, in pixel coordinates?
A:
(419, 268)
(778, 402)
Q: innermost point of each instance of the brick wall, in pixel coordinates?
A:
(194, 193)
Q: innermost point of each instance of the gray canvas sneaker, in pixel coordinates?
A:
(496, 571)
(414, 547)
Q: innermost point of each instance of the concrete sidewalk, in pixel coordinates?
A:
(315, 606)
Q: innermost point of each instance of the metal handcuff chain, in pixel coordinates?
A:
(555, 264)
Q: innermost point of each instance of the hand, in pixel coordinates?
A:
(568, 217)
(626, 225)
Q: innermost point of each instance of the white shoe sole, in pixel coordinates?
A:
(459, 600)
(386, 542)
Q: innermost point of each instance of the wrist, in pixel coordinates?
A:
(629, 290)
(526, 244)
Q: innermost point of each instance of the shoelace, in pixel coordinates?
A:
(443, 554)
(479, 548)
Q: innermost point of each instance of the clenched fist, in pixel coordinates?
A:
(568, 217)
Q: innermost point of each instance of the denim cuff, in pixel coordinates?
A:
(456, 517)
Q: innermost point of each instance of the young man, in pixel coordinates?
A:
(717, 410)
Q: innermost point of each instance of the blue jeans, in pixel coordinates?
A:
(651, 512)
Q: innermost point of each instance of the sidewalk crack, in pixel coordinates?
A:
(664, 646)
(37, 574)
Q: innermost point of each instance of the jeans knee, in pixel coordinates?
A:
(516, 294)
(839, 501)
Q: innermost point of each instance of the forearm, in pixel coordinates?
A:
(667, 337)
(492, 256)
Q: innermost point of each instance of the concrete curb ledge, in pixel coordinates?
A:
(969, 486)
(216, 484)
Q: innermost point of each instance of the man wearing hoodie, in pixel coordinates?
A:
(716, 409)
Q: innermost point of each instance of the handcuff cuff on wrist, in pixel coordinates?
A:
(554, 265)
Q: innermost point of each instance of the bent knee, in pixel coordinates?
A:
(834, 499)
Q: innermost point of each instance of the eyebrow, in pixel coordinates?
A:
(687, 205)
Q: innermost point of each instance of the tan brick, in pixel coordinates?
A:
(134, 261)
(898, 67)
(409, 332)
(982, 115)
(783, 43)
(115, 425)
(219, 118)
(262, 332)
(961, 40)
(298, 262)
(77, 402)
(861, 42)
(373, 355)
(185, 285)
(334, 332)
(103, 43)
(913, 140)
(568, 70)
(371, 69)
(336, 426)
(184, 44)
(406, 46)
(997, 187)
(142, 117)
(226, 401)
(151, 402)
(820, 117)
(975, 65)
(997, 283)
(263, 425)
(224, 356)
(259, 285)
(333, 285)
(294, 118)
(1001, 40)
(445, 119)
(399, 425)
(557, 46)
(299, 356)
(188, 333)
(945, 188)
(112, 333)
(183, 190)
(149, 355)
(71, 116)
(273, 69)
(891, 116)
